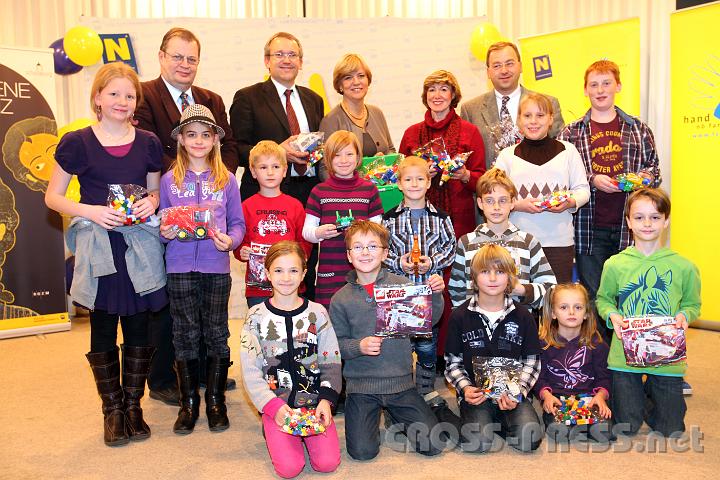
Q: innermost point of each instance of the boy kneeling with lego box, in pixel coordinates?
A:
(378, 371)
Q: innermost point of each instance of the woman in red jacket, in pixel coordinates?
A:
(441, 94)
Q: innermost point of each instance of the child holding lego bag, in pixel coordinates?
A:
(199, 271)
(574, 360)
(344, 195)
(270, 216)
(490, 324)
(290, 359)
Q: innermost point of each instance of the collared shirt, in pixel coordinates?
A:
(639, 155)
(299, 113)
(513, 104)
(175, 94)
(436, 239)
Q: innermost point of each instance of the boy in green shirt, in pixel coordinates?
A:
(648, 279)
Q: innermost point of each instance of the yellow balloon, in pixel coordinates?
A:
(73, 190)
(75, 125)
(482, 37)
(83, 45)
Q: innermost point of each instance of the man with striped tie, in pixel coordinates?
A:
(168, 95)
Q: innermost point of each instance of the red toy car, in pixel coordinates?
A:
(192, 222)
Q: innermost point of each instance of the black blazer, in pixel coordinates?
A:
(258, 114)
(158, 113)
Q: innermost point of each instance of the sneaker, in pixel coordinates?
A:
(687, 389)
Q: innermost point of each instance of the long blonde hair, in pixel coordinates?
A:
(218, 172)
(589, 335)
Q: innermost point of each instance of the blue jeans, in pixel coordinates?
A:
(426, 349)
(659, 402)
(520, 426)
(362, 422)
(605, 243)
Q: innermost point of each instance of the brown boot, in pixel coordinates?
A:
(106, 370)
(136, 365)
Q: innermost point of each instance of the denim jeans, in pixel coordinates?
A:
(426, 349)
(605, 243)
(659, 402)
(362, 422)
(520, 426)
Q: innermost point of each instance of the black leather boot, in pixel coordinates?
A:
(187, 373)
(106, 370)
(136, 365)
(215, 408)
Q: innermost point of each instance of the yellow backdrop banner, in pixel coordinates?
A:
(555, 64)
(695, 84)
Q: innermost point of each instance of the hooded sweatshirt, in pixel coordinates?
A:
(632, 285)
(202, 256)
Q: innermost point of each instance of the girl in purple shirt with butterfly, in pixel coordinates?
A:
(574, 361)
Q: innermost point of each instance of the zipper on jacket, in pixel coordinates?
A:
(197, 202)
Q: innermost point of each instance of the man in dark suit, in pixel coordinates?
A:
(277, 110)
(163, 97)
(488, 110)
(164, 100)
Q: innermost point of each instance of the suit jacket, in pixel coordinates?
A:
(159, 114)
(483, 112)
(258, 114)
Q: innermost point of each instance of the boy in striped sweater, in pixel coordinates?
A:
(496, 198)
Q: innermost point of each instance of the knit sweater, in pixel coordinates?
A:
(564, 172)
(290, 355)
(354, 314)
(338, 196)
(534, 271)
(574, 369)
(457, 198)
(632, 285)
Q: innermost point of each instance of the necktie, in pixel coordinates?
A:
(294, 127)
(184, 103)
(504, 112)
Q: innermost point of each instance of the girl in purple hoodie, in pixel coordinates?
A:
(198, 263)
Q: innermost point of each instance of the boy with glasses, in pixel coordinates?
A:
(378, 371)
(496, 198)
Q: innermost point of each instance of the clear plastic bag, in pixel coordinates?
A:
(191, 222)
(498, 375)
(122, 197)
(311, 142)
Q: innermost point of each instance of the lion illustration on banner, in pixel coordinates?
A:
(29, 151)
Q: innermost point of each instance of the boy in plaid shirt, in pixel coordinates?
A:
(610, 142)
(416, 220)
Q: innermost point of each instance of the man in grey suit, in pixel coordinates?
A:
(495, 113)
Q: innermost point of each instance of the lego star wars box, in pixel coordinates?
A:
(403, 311)
(653, 340)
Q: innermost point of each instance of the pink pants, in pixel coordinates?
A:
(288, 456)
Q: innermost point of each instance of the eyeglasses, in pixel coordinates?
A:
(491, 201)
(280, 55)
(499, 66)
(177, 58)
(372, 248)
